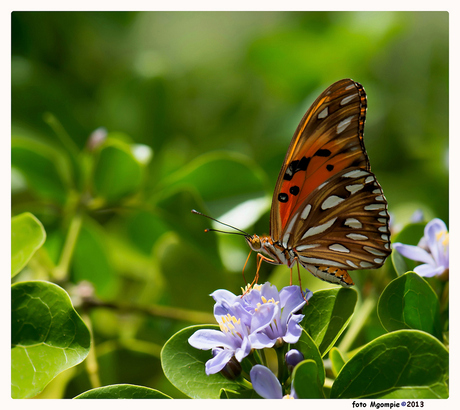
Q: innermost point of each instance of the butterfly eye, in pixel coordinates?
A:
(254, 242)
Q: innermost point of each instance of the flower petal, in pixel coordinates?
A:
(221, 295)
(432, 230)
(261, 341)
(218, 362)
(265, 383)
(414, 252)
(293, 330)
(291, 302)
(206, 339)
(244, 350)
(428, 271)
(263, 316)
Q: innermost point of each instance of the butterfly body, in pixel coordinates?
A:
(328, 213)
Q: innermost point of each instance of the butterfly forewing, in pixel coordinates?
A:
(328, 140)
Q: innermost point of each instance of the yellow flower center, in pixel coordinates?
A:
(228, 323)
(264, 300)
(248, 288)
(443, 237)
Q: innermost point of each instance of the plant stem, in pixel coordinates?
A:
(174, 313)
(91, 364)
(62, 269)
(358, 322)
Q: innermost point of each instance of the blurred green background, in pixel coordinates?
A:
(198, 109)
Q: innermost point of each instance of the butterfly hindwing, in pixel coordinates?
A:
(328, 140)
(342, 224)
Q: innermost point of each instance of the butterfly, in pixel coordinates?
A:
(328, 212)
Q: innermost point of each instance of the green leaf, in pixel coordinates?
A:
(117, 172)
(217, 177)
(337, 360)
(184, 366)
(310, 351)
(306, 381)
(122, 391)
(47, 336)
(402, 364)
(409, 302)
(399, 263)
(327, 315)
(47, 170)
(27, 235)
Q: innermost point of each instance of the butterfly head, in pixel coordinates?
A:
(254, 242)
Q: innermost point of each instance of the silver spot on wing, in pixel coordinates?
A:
(319, 229)
(338, 248)
(323, 114)
(357, 237)
(331, 201)
(353, 223)
(342, 125)
(373, 251)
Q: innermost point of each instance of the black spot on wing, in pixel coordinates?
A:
(294, 190)
(329, 167)
(323, 153)
(282, 197)
(296, 166)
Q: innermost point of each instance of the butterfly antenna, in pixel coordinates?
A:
(216, 220)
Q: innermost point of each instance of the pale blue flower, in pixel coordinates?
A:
(258, 319)
(433, 250)
(284, 326)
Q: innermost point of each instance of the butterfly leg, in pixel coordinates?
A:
(300, 281)
(244, 267)
(260, 258)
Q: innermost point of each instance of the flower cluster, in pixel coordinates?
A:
(433, 250)
(261, 318)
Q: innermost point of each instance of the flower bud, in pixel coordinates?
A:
(293, 357)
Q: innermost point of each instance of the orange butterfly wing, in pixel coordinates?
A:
(328, 140)
(327, 205)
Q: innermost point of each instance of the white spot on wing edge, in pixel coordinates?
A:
(369, 179)
(331, 201)
(323, 114)
(342, 125)
(378, 260)
(319, 229)
(338, 248)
